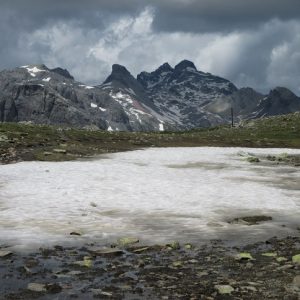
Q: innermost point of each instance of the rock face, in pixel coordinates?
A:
(243, 102)
(181, 94)
(169, 98)
(131, 95)
(44, 96)
(279, 101)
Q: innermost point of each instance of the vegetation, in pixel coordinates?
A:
(49, 143)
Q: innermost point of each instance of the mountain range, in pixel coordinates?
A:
(178, 98)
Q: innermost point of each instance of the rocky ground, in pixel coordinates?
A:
(265, 270)
(23, 142)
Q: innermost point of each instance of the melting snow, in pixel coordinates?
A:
(86, 86)
(159, 195)
(161, 127)
(93, 105)
(33, 71)
(47, 79)
(110, 129)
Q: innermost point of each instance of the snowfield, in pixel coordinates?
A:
(157, 195)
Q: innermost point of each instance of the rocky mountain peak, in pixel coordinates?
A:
(119, 69)
(165, 68)
(119, 74)
(63, 72)
(282, 92)
(185, 64)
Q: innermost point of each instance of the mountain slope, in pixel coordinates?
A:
(180, 94)
(168, 98)
(279, 101)
(131, 95)
(243, 102)
(44, 96)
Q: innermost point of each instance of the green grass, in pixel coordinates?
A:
(37, 142)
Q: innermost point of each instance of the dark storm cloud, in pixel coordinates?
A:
(254, 43)
(225, 15)
(172, 15)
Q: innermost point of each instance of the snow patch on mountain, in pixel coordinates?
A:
(32, 70)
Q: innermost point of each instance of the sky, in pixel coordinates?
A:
(252, 43)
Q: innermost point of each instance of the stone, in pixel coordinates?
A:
(281, 259)
(174, 245)
(86, 262)
(5, 253)
(60, 151)
(75, 233)
(107, 252)
(253, 159)
(47, 153)
(251, 220)
(244, 256)
(126, 241)
(224, 289)
(3, 138)
(140, 250)
(177, 264)
(188, 246)
(269, 254)
(37, 287)
(296, 259)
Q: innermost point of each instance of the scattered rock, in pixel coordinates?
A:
(75, 233)
(281, 259)
(188, 246)
(253, 159)
(37, 287)
(296, 259)
(107, 252)
(174, 245)
(269, 254)
(86, 262)
(60, 151)
(5, 253)
(251, 220)
(244, 256)
(46, 153)
(3, 138)
(177, 264)
(126, 241)
(224, 289)
(140, 250)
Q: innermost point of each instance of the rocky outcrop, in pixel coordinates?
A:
(180, 94)
(168, 98)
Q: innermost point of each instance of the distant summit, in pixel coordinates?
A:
(167, 98)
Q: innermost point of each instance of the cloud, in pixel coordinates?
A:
(263, 54)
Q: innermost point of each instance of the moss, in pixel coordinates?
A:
(31, 141)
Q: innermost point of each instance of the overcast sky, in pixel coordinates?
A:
(253, 43)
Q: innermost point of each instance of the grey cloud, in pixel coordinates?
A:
(253, 43)
(226, 15)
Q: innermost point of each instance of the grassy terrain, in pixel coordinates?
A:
(48, 143)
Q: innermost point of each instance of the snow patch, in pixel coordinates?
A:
(93, 105)
(47, 79)
(33, 71)
(161, 127)
(189, 190)
(87, 87)
(110, 129)
(102, 109)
